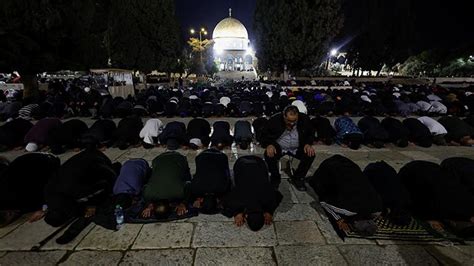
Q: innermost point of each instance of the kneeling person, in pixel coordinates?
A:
(253, 199)
(211, 181)
(167, 186)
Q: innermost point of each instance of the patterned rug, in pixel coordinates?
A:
(416, 231)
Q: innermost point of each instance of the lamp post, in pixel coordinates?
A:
(332, 54)
(201, 32)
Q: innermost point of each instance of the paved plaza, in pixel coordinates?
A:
(300, 235)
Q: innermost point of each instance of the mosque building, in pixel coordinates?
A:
(232, 49)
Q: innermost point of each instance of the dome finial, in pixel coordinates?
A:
(230, 12)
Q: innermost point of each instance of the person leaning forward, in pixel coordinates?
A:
(289, 133)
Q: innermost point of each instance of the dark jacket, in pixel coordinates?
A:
(200, 129)
(340, 182)
(212, 173)
(276, 126)
(252, 190)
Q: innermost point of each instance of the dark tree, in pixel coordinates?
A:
(144, 35)
(50, 35)
(295, 33)
(384, 33)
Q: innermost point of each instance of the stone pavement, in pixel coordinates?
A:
(300, 235)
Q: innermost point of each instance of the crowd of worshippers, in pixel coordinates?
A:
(58, 135)
(68, 99)
(88, 187)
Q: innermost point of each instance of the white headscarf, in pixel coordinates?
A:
(152, 129)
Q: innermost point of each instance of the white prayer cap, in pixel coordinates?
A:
(355, 90)
(397, 94)
(87, 89)
(300, 105)
(269, 94)
(396, 89)
(224, 101)
(346, 83)
(365, 98)
(160, 87)
(193, 97)
(31, 147)
(468, 93)
(196, 142)
(247, 90)
(282, 93)
(175, 90)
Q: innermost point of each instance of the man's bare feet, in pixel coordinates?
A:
(36, 216)
(146, 213)
(181, 209)
(90, 211)
(239, 219)
(342, 224)
(436, 226)
(268, 218)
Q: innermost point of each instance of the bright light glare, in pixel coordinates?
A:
(192, 31)
(334, 52)
(249, 50)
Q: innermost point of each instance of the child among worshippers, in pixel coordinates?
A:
(258, 125)
(347, 132)
(459, 132)
(243, 134)
(133, 176)
(67, 136)
(253, 200)
(325, 133)
(198, 133)
(374, 133)
(83, 182)
(396, 201)
(439, 197)
(22, 184)
(168, 186)
(221, 137)
(100, 135)
(419, 133)
(150, 132)
(437, 130)
(397, 132)
(346, 193)
(37, 136)
(128, 132)
(173, 136)
(13, 133)
(211, 182)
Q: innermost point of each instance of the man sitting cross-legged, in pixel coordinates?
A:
(289, 132)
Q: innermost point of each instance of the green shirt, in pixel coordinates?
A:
(170, 172)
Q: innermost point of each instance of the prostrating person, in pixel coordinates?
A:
(347, 194)
(253, 200)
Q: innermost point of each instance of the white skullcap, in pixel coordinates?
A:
(196, 142)
(365, 98)
(31, 147)
(87, 89)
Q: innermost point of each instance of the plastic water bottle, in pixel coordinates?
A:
(119, 217)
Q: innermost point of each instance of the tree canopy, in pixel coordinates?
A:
(49, 35)
(295, 33)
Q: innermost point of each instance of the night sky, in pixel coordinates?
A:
(439, 23)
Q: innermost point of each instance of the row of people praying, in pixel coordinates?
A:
(60, 136)
(88, 184)
(378, 99)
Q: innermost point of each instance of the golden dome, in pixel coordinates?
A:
(230, 28)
